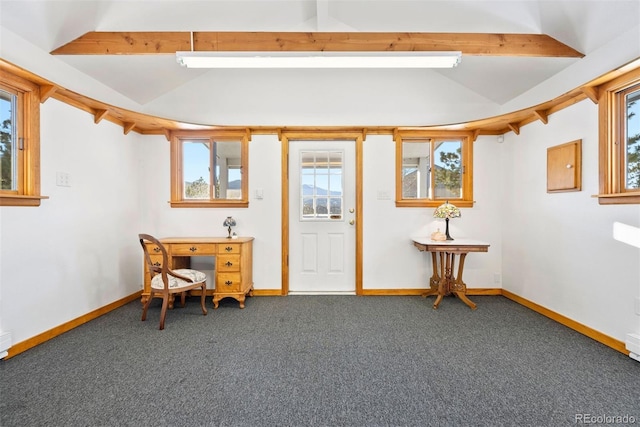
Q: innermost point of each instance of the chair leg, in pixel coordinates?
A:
(145, 306)
(202, 298)
(163, 313)
(183, 299)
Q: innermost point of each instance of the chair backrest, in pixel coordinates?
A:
(154, 268)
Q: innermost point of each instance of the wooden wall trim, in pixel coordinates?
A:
(150, 125)
(563, 320)
(25, 345)
(570, 323)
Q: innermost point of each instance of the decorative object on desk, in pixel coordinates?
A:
(229, 222)
(447, 211)
(438, 236)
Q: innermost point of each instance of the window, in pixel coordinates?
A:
(19, 142)
(619, 110)
(432, 168)
(209, 169)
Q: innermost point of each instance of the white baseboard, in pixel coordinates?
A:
(633, 343)
(5, 343)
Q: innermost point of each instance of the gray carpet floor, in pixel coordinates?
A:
(321, 361)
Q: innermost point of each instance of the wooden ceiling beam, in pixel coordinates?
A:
(477, 44)
(126, 43)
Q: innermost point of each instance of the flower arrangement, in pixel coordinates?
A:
(447, 211)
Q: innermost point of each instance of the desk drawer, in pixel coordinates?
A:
(153, 249)
(228, 282)
(229, 248)
(192, 249)
(227, 263)
(156, 260)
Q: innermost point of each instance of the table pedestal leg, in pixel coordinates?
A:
(434, 281)
(459, 288)
(443, 283)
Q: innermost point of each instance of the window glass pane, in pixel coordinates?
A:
(321, 184)
(416, 164)
(632, 152)
(447, 160)
(228, 169)
(195, 155)
(8, 152)
(234, 186)
(410, 178)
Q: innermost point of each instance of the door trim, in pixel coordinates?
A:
(358, 139)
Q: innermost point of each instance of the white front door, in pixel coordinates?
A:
(322, 254)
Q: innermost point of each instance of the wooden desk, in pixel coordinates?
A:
(443, 282)
(234, 263)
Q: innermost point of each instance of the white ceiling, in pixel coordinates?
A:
(584, 25)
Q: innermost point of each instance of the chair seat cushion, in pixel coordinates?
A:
(175, 283)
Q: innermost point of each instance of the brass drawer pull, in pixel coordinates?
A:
(157, 264)
(228, 283)
(228, 263)
(156, 249)
(228, 249)
(193, 249)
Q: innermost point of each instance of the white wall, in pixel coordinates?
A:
(77, 251)
(390, 259)
(261, 220)
(558, 249)
(327, 97)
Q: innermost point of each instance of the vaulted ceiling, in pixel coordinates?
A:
(156, 83)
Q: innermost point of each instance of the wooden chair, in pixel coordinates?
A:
(165, 283)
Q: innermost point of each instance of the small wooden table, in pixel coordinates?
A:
(442, 281)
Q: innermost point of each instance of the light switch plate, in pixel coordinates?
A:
(63, 179)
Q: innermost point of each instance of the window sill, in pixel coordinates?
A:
(20, 200)
(423, 203)
(209, 204)
(619, 198)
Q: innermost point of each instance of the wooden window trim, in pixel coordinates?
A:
(28, 185)
(177, 181)
(467, 139)
(611, 129)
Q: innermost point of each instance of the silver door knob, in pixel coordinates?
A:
(352, 222)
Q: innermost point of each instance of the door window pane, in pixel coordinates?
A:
(321, 185)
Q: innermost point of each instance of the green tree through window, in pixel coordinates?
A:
(448, 174)
(7, 141)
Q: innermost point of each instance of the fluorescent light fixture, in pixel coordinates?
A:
(289, 59)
